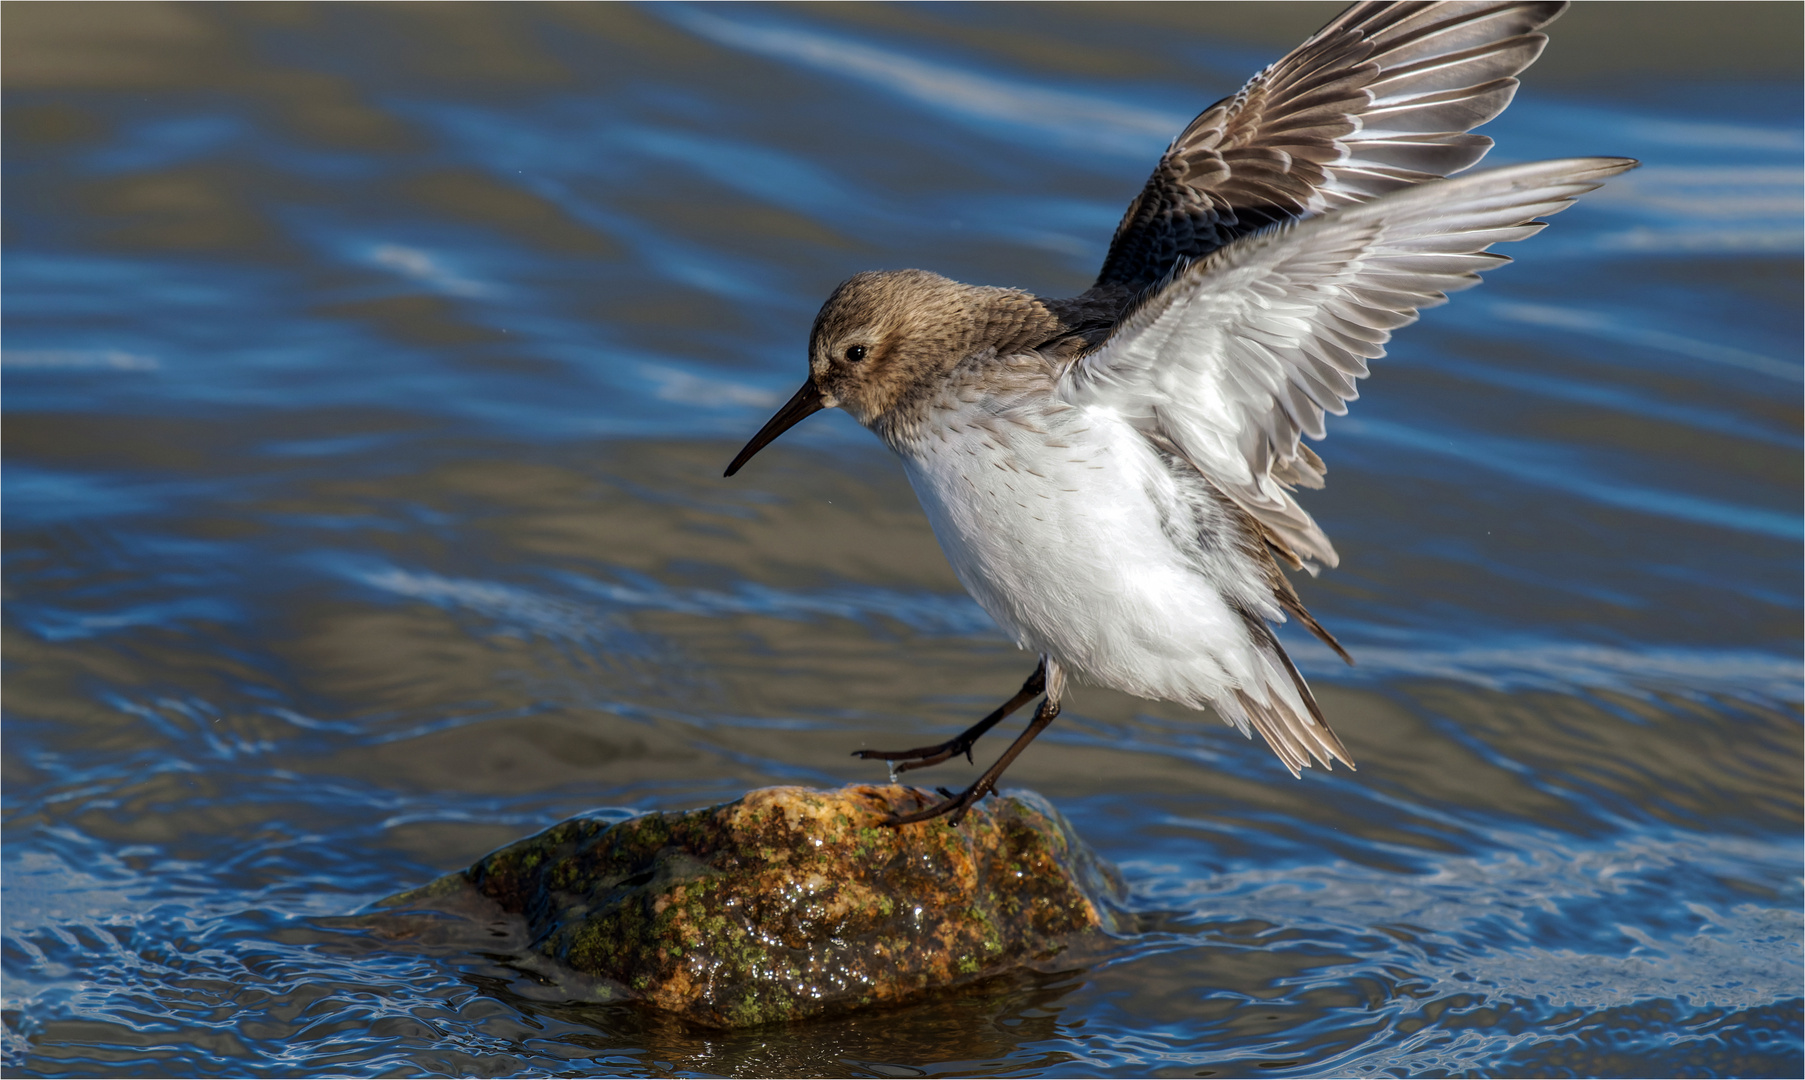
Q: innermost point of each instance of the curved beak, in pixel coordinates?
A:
(806, 403)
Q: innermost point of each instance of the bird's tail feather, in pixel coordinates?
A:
(1288, 717)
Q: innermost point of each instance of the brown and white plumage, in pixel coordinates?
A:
(1383, 97)
(1111, 476)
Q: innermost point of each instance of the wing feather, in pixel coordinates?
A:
(1233, 357)
(1383, 97)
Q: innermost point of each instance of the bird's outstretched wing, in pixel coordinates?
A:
(1383, 97)
(1233, 356)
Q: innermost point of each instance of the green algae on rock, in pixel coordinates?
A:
(789, 903)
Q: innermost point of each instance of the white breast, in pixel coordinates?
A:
(1069, 529)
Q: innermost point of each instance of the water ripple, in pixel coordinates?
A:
(369, 372)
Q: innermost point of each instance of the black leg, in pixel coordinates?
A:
(922, 757)
(956, 805)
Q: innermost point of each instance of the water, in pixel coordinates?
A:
(368, 377)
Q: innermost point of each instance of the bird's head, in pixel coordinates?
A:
(881, 335)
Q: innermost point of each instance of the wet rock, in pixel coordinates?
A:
(790, 903)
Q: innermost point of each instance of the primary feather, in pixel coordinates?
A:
(1383, 97)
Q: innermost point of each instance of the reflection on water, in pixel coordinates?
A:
(369, 373)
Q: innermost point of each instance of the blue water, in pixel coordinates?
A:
(368, 375)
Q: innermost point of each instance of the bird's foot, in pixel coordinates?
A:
(901, 761)
(953, 807)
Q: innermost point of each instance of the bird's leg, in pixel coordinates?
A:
(1049, 676)
(956, 805)
(922, 757)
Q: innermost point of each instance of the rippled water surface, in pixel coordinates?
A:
(369, 372)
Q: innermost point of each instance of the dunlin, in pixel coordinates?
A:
(1113, 476)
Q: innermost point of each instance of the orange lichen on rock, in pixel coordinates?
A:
(789, 903)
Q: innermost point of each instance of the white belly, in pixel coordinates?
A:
(1062, 531)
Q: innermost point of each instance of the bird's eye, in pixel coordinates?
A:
(855, 353)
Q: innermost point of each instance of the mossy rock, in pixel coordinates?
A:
(790, 903)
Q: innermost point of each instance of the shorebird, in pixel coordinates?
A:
(1113, 475)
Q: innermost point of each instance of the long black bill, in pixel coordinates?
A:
(806, 403)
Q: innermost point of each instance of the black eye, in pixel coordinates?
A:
(855, 353)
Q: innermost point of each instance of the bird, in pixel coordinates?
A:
(1114, 476)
